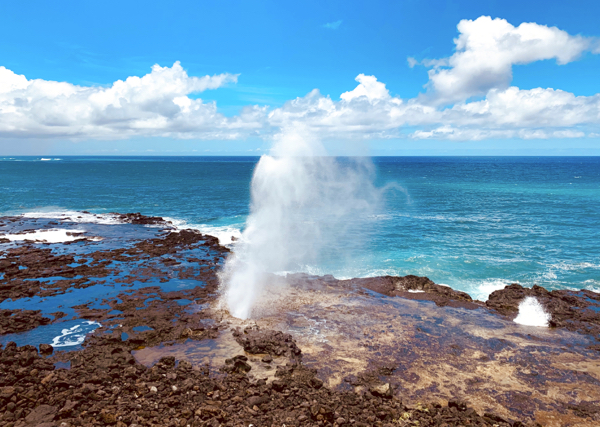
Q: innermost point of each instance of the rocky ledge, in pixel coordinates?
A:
(103, 385)
(384, 351)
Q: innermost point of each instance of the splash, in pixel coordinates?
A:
(532, 313)
(306, 207)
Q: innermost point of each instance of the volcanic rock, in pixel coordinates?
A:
(574, 310)
(384, 390)
(14, 321)
(275, 343)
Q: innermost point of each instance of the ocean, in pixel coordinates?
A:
(473, 223)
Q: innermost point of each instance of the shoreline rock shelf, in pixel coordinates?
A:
(320, 352)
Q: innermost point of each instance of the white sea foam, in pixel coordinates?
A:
(75, 216)
(565, 266)
(532, 313)
(75, 335)
(592, 285)
(227, 235)
(178, 223)
(483, 289)
(53, 235)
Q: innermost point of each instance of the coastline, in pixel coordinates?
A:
(388, 368)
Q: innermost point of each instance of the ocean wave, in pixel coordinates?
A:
(75, 216)
(53, 235)
(565, 266)
(549, 275)
(592, 285)
(41, 159)
(227, 234)
(75, 335)
(481, 290)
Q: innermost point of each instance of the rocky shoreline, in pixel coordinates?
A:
(124, 373)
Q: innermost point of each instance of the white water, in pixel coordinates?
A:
(75, 335)
(303, 204)
(532, 313)
(75, 216)
(54, 235)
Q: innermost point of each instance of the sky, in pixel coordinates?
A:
(395, 77)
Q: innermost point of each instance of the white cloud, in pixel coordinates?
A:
(159, 103)
(486, 50)
(366, 111)
(156, 104)
(369, 87)
(514, 107)
(370, 111)
(333, 25)
(468, 134)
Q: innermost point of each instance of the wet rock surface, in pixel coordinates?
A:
(274, 343)
(573, 310)
(430, 350)
(385, 351)
(29, 270)
(138, 218)
(418, 288)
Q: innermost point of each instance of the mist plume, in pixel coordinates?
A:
(305, 207)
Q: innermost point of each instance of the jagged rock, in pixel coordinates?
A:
(46, 349)
(384, 390)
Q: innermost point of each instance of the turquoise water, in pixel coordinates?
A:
(474, 223)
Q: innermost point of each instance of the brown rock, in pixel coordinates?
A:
(108, 418)
(46, 349)
(384, 390)
(41, 414)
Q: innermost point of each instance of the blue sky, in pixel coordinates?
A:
(271, 53)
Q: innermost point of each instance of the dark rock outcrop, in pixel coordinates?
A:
(275, 343)
(13, 321)
(573, 310)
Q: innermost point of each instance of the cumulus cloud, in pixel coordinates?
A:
(160, 103)
(477, 134)
(369, 87)
(156, 104)
(370, 111)
(486, 50)
(366, 111)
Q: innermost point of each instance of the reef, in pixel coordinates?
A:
(383, 351)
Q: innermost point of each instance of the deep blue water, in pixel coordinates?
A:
(474, 223)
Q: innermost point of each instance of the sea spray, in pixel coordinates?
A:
(532, 313)
(305, 207)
